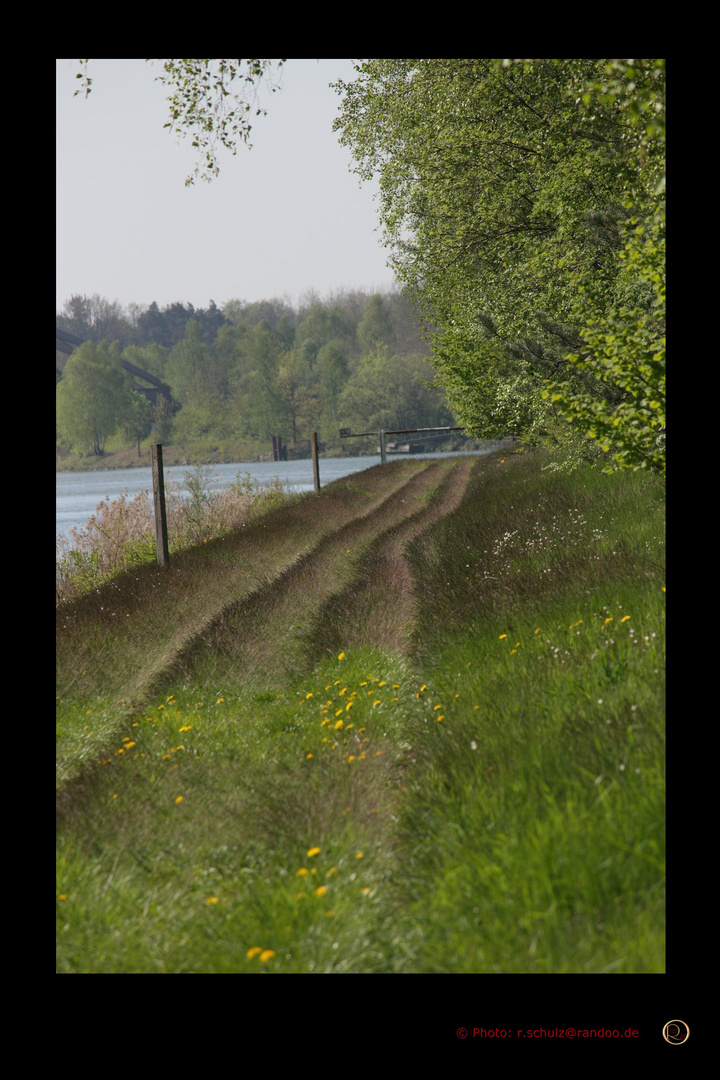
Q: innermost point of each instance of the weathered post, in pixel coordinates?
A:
(314, 452)
(383, 458)
(158, 479)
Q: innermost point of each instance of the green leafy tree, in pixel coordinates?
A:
(295, 392)
(332, 369)
(137, 417)
(375, 328)
(214, 102)
(507, 188)
(320, 324)
(622, 344)
(387, 392)
(197, 372)
(92, 397)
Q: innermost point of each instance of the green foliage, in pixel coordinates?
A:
(93, 396)
(389, 392)
(625, 349)
(507, 189)
(137, 417)
(375, 329)
(212, 101)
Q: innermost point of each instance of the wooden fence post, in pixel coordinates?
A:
(316, 467)
(383, 457)
(163, 553)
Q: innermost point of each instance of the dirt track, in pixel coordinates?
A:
(316, 576)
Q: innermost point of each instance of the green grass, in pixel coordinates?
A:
(449, 680)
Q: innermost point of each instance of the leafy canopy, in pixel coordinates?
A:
(522, 205)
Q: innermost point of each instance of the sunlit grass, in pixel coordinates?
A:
(487, 798)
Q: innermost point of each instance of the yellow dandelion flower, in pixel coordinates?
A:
(308, 756)
(502, 636)
(383, 683)
(179, 798)
(220, 701)
(186, 727)
(321, 890)
(255, 951)
(341, 656)
(377, 702)
(63, 896)
(423, 687)
(212, 900)
(436, 707)
(351, 758)
(302, 872)
(313, 851)
(358, 854)
(338, 724)
(329, 914)
(513, 651)
(309, 695)
(439, 718)
(625, 618)
(266, 955)
(364, 683)
(331, 871)
(366, 891)
(609, 619)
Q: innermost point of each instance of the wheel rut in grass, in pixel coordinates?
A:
(379, 605)
(122, 642)
(354, 585)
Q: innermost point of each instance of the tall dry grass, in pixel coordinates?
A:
(121, 532)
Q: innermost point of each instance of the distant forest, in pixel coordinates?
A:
(241, 373)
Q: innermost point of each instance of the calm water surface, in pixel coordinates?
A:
(77, 494)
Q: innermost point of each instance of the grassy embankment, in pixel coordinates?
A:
(411, 724)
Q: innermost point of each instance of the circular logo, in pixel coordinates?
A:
(676, 1032)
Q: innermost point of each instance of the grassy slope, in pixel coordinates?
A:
(428, 673)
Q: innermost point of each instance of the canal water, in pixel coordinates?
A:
(77, 494)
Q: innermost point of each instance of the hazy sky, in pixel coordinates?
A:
(281, 219)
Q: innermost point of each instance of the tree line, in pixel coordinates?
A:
(523, 206)
(244, 372)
